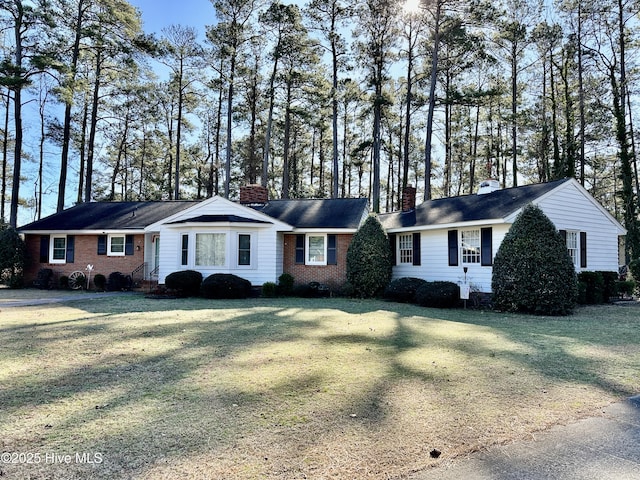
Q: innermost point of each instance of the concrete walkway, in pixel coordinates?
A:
(599, 448)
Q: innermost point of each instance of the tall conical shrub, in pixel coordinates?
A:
(532, 270)
(369, 259)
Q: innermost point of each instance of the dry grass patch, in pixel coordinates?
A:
(292, 388)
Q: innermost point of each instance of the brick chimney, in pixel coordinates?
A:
(254, 195)
(408, 198)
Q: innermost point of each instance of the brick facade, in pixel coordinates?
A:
(333, 275)
(85, 253)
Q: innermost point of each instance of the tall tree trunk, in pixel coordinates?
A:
(285, 147)
(176, 188)
(17, 117)
(83, 141)
(66, 129)
(407, 126)
(432, 102)
(227, 166)
(5, 157)
(581, 96)
(267, 134)
(93, 126)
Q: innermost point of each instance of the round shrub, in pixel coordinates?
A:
(285, 284)
(185, 282)
(532, 271)
(592, 286)
(225, 285)
(64, 282)
(369, 261)
(118, 281)
(270, 289)
(100, 281)
(438, 295)
(403, 290)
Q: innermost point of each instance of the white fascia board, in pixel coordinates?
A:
(219, 225)
(332, 231)
(84, 232)
(447, 226)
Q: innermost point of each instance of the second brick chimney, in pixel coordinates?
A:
(254, 195)
(408, 198)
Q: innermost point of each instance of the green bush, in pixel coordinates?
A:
(593, 288)
(634, 268)
(270, 289)
(532, 271)
(64, 282)
(610, 284)
(404, 289)
(118, 282)
(369, 261)
(625, 287)
(185, 282)
(100, 281)
(285, 284)
(225, 285)
(438, 295)
(13, 257)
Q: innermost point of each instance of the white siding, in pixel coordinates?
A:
(569, 209)
(265, 255)
(264, 266)
(434, 247)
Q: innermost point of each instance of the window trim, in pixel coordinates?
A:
(478, 249)
(52, 249)
(307, 259)
(110, 238)
(250, 250)
(404, 255)
(225, 263)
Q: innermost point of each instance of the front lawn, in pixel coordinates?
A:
(291, 388)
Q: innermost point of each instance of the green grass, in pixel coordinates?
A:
(287, 388)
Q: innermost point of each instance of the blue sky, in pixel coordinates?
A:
(157, 14)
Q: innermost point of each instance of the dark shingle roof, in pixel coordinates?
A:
(110, 216)
(468, 208)
(219, 219)
(323, 213)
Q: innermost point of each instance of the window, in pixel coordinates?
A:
(184, 255)
(58, 252)
(211, 249)
(405, 248)
(471, 246)
(244, 249)
(115, 245)
(316, 250)
(313, 249)
(572, 246)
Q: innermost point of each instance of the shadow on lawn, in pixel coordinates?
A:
(150, 413)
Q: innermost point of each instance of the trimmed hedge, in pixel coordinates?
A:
(118, 281)
(225, 285)
(100, 281)
(597, 287)
(404, 289)
(269, 290)
(438, 294)
(369, 260)
(186, 282)
(285, 284)
(532, 271)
